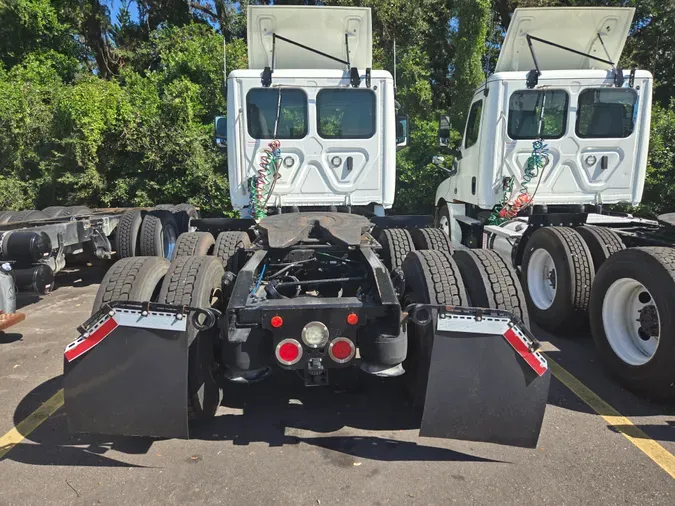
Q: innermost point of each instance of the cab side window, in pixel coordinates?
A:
(473, 124)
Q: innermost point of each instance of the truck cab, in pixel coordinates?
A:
(310, 90)
(556, 81)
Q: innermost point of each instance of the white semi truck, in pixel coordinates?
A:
(313, 279)
(556, 134)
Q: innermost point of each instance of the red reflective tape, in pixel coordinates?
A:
(89, 342)
(522, 350)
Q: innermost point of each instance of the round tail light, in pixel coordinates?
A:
(341, 350)
(288, 352)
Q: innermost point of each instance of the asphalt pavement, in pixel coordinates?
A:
(277, 442)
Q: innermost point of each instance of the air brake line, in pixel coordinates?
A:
(507, 210)
(263, 182)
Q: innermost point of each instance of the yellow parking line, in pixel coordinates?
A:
(28, 425)
(649, 447)
(662, 457)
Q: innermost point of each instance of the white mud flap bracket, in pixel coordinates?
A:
(487, 380)
(127, 372)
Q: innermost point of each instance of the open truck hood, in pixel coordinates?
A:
(574, 27)
(321, 28)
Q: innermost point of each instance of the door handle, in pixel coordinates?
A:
(604, 162)
(350, 163)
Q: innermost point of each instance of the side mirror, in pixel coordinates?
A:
(220, 125)
(443, 130)
(401, 131)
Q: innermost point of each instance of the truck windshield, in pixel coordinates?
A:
(606, 113)
(261, 113)
(525, 110)
(345, 114)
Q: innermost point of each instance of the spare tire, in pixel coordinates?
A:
(126, 233)
(54, 211)
(27, 215)
(196, 244)
(158, 234)
(192, 281)
(131, 279)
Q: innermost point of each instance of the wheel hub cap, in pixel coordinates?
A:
(542, 279)
(631, 321)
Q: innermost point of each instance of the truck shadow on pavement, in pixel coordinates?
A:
(278, 412)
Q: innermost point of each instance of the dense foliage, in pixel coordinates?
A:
(113, 106)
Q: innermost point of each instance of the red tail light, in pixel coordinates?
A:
(277, 321)
(341, 350)
(289, 352)
(352, 318)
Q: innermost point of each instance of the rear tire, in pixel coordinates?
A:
(195, 244)
(431, 238)
(229, 249)
(632, 317)
(432, 277)
(54, 211)
(127, 233)
(27, 215)
(131, 279)
(396, 244)
(557, 275)
(601, 242)
(490, 282)
(193, 281)
(158, 234)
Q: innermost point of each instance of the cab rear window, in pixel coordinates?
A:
(267, 106)
(606, 113)
(525, 108)
(345, 113)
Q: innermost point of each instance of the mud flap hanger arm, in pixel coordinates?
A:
(210, 315)
(354, 79)
(533, 75)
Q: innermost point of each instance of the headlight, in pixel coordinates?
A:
(315, 334)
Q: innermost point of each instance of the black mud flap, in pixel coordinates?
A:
(487, 381)
(127, 373)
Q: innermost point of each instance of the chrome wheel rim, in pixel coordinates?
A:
(542, 279)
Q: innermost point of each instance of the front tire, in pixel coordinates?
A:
(632, 316)
(557, 275)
